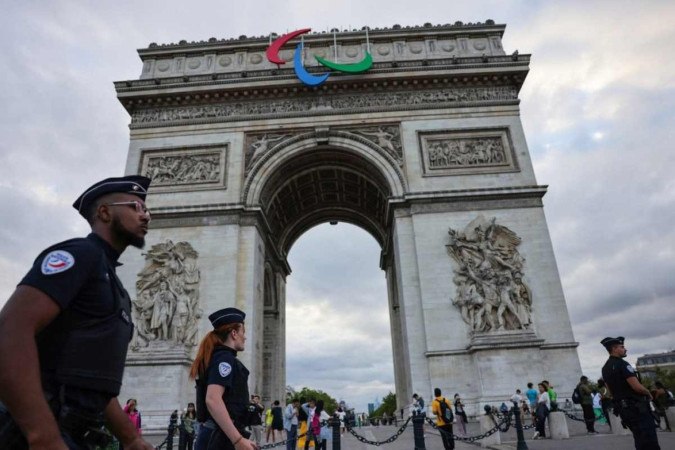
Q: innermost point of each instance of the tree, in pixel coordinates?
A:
(665, 376)
(329, 403)
(388, 406)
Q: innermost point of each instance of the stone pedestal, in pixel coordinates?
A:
(617, 428)
(487, 423)
(670, 414)
(557, 425)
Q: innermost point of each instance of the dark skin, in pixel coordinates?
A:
(619, 351)
(28, 311)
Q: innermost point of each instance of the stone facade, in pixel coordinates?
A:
(425, 151)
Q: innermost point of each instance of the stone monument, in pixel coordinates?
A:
(423, 148)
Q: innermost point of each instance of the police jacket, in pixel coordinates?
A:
(227, 371)
(86, 345)
(615, 372)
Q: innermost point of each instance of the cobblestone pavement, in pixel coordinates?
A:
(579, 440)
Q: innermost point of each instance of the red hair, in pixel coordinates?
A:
(213, 338)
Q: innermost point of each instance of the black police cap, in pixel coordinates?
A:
(609, 341)
(226, 316)
(132, 184)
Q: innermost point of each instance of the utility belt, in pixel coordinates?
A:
(87, 429)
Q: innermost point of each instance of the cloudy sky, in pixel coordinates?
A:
(598, 110)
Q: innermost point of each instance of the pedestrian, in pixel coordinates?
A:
(68, 308)
(517, 397)
(302, 424)
(255, 410)
(187, 428)
(313, 432)
(222, 384)
(631, 398)
(552, 395)
(461, 415)
(597, 407)
(277, 421)
(291, 424)
(438, 407)
(418, 405)
(586, 392)
(542, 411)
(131, 410)
(661, 401)
(605, 400)
(268, 425)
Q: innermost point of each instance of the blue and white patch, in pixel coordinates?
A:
(630, 368)
(56, 262)
(224, 369)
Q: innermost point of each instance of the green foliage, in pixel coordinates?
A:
(667, 377)
(388, 405)
(329, 403)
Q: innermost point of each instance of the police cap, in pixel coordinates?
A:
(226, 316)
(608, 342)
(132, 184)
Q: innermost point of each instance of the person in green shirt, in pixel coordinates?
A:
(586, 392)
(552, 395)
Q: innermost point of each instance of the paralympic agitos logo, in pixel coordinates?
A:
(300, 71)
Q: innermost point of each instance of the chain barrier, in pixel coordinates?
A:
(280, 443)
(378, 443)
(505, 421)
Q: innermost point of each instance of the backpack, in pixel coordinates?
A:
(316, 425)
(446, 411)
(576, 396)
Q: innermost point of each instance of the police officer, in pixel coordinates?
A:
(64, 331)
(631, 398)
(222, 384)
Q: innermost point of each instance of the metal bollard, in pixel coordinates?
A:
(335, 425)
(522, 445)
(418, 431)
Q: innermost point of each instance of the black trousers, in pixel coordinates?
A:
(446, 436)
(589, 417)
(640, 422)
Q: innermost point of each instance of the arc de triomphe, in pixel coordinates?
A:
(425, 151)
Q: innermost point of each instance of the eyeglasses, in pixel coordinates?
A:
(138, 206)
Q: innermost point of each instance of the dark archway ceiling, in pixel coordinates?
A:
(323, 185)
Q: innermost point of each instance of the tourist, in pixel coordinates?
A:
(531, 395)
(291, 424)
(605, 400)
(313, 433)
(438, 406)
(587, 404)
(542, 411)
(58, 330)
(597, 407)
(661, 401)
(631, 398)
(131, 410)
(552, 395)
(277, 421)
(302, 424)
(269, 418)
(187, 428)
(255, 410)
(461, 419)
(418, 405)
(222, 384)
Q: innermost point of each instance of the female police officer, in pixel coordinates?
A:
(222, 384)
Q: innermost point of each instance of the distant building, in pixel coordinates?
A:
(371, 408)
(647, 364)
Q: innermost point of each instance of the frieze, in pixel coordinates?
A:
(321, 104)
(185, 168)
(466, 151)
(387, 137)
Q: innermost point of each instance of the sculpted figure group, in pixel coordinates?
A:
(491, 293)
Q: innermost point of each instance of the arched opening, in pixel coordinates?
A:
(297, 193)
(338, 336)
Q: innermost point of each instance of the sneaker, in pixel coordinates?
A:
(536, 435)
(592, 432)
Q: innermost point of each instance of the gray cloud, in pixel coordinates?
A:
(597, 108)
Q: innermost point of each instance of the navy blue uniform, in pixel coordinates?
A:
(227, 371)
(85, 347)
(632, 407)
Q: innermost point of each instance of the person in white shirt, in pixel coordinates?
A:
(543, 408)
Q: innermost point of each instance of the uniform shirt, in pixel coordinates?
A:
(224, 370)
(615, 373)
(75, 275)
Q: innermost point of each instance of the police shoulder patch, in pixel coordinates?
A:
(630, 368)
(57, 261)
(224, 369)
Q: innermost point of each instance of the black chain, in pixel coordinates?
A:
(280, 443)
(378, 443)
(505, 421)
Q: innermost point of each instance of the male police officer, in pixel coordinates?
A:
(631, 398)
(65, 330)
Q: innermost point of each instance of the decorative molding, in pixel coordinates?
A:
(187, 168)
(322, 105)
(461, 152)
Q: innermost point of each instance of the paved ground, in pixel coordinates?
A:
(579, 440)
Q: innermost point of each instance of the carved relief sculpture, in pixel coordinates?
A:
(258, 145)
(184, 169)
(387, 137)
(448, 153)
(166, 308)
(491, 294)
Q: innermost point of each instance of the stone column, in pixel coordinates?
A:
(557, 425)
(486, 424)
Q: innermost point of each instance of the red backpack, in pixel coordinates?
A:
(316, 424)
